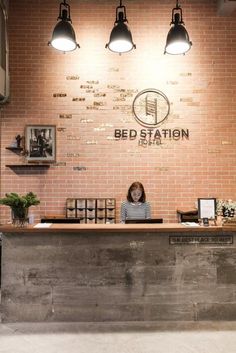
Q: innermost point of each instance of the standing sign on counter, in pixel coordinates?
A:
(207, 208)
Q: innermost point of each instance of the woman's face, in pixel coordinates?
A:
(136, 194)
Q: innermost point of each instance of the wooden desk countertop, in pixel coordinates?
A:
(118, 227)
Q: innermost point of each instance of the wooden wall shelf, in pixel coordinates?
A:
(24, 165)
(14, 149)
(28, 165)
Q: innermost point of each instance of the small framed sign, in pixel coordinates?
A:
(207, 208)
(40, 143)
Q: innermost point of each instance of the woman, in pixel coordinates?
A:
(136, 206)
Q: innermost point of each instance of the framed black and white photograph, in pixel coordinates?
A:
(207, 208)
(40, 143)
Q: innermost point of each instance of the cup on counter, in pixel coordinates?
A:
(31, 218)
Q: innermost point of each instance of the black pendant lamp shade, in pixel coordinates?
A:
(121, 38)
(63, 37)
(177, 41)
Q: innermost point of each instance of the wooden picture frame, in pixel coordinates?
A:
(40, 143)
(207, 208)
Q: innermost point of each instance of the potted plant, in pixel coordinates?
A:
(19, 206)
(226, 210)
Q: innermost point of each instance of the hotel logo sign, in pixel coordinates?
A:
(205, 240)
(151, 107)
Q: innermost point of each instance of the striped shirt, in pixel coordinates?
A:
(131, 210)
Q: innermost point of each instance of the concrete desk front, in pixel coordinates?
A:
(118, 272)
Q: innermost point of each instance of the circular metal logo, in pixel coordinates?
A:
(151, 107)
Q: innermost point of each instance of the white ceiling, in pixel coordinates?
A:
(226, 7)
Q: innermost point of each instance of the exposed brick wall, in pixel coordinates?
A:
(200, 87)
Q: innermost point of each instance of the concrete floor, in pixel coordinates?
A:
(205, 337)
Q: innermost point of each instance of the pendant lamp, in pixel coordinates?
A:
(120, 38)
(63, 36)
(177, 41)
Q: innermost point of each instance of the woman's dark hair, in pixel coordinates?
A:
(136, 185)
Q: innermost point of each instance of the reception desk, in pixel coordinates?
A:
(118, 272)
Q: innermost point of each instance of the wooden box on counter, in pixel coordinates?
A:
(89, 210)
